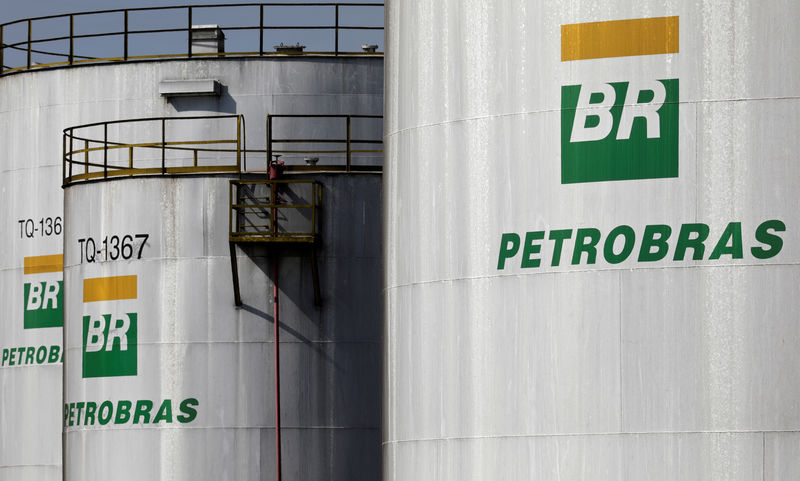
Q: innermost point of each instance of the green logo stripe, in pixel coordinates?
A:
(635, 151)
(110, 345)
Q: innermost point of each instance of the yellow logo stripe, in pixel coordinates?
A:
(41, 264)
(619, 38)
(109, 288)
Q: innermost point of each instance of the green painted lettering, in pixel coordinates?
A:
(41, 355)
(732, 235)
(559, 236)
(763, 236)
(530, 249)
(686, 241)
(91, 408)
(55, 352)
(108, 408)
(649, 240)
(123, 412)
(586, 241)
(79, 408)
(164, 412)
(143, 409)
(29, 355)
(187, 408)
(629, 236)
(509, 246)
(71, 414)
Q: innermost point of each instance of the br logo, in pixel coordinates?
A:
(110, 345)
(619, 130)
(43, 299)
(110, 341)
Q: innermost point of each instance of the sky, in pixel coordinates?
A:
(161, 43)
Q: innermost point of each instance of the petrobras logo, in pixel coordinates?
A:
(619, 130)
(43, 292)
(110, 339)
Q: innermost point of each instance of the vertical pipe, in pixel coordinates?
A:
(336, 48)
(189, 54)
(277, 370)
(163, 146)
(261, 31)
(105, 150)
(71, 39)
(125, 48)
(348, 143)
(29, 44)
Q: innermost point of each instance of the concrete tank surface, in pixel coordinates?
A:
(167, 379)
(591, 241)
(34, 109)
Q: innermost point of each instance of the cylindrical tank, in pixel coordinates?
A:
(591, 244)
(160, 364)
(330, 365)
(31, 275)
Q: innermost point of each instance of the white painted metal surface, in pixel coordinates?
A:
(656, 369)
(34, 108)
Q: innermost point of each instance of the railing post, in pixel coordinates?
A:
(29, 44)
(125, 48)
(105, 151)
(239, 143)
(348, 143)
(71, 132)
(163, 146)
(71, 39)
(269, 142)
(2, 49)
(130, 158)
(336, 47)
(63, 157)
(85, 155)
(189, 31)
(261, 31)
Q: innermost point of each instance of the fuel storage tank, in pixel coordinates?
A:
(331, 360)
(31, 280)
(591, 240)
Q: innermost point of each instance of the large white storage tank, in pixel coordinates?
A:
(591, 240)
(205, 364)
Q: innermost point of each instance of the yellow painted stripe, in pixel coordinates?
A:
(40, 264)
(109, 288)
(619, 38)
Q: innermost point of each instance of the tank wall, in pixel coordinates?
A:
(195, 349)
(604, 366)
(34, 109)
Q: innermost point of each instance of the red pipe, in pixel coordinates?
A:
(277, 369)
(274, 173)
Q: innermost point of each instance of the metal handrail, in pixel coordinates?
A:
(274, 205)
(80, 155)
(348, 142)
(26, 43)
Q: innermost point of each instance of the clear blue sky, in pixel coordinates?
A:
(146, 44)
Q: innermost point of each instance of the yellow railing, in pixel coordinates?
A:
(349, 153)
(98, 150)
(23, 48)
(274, 210)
